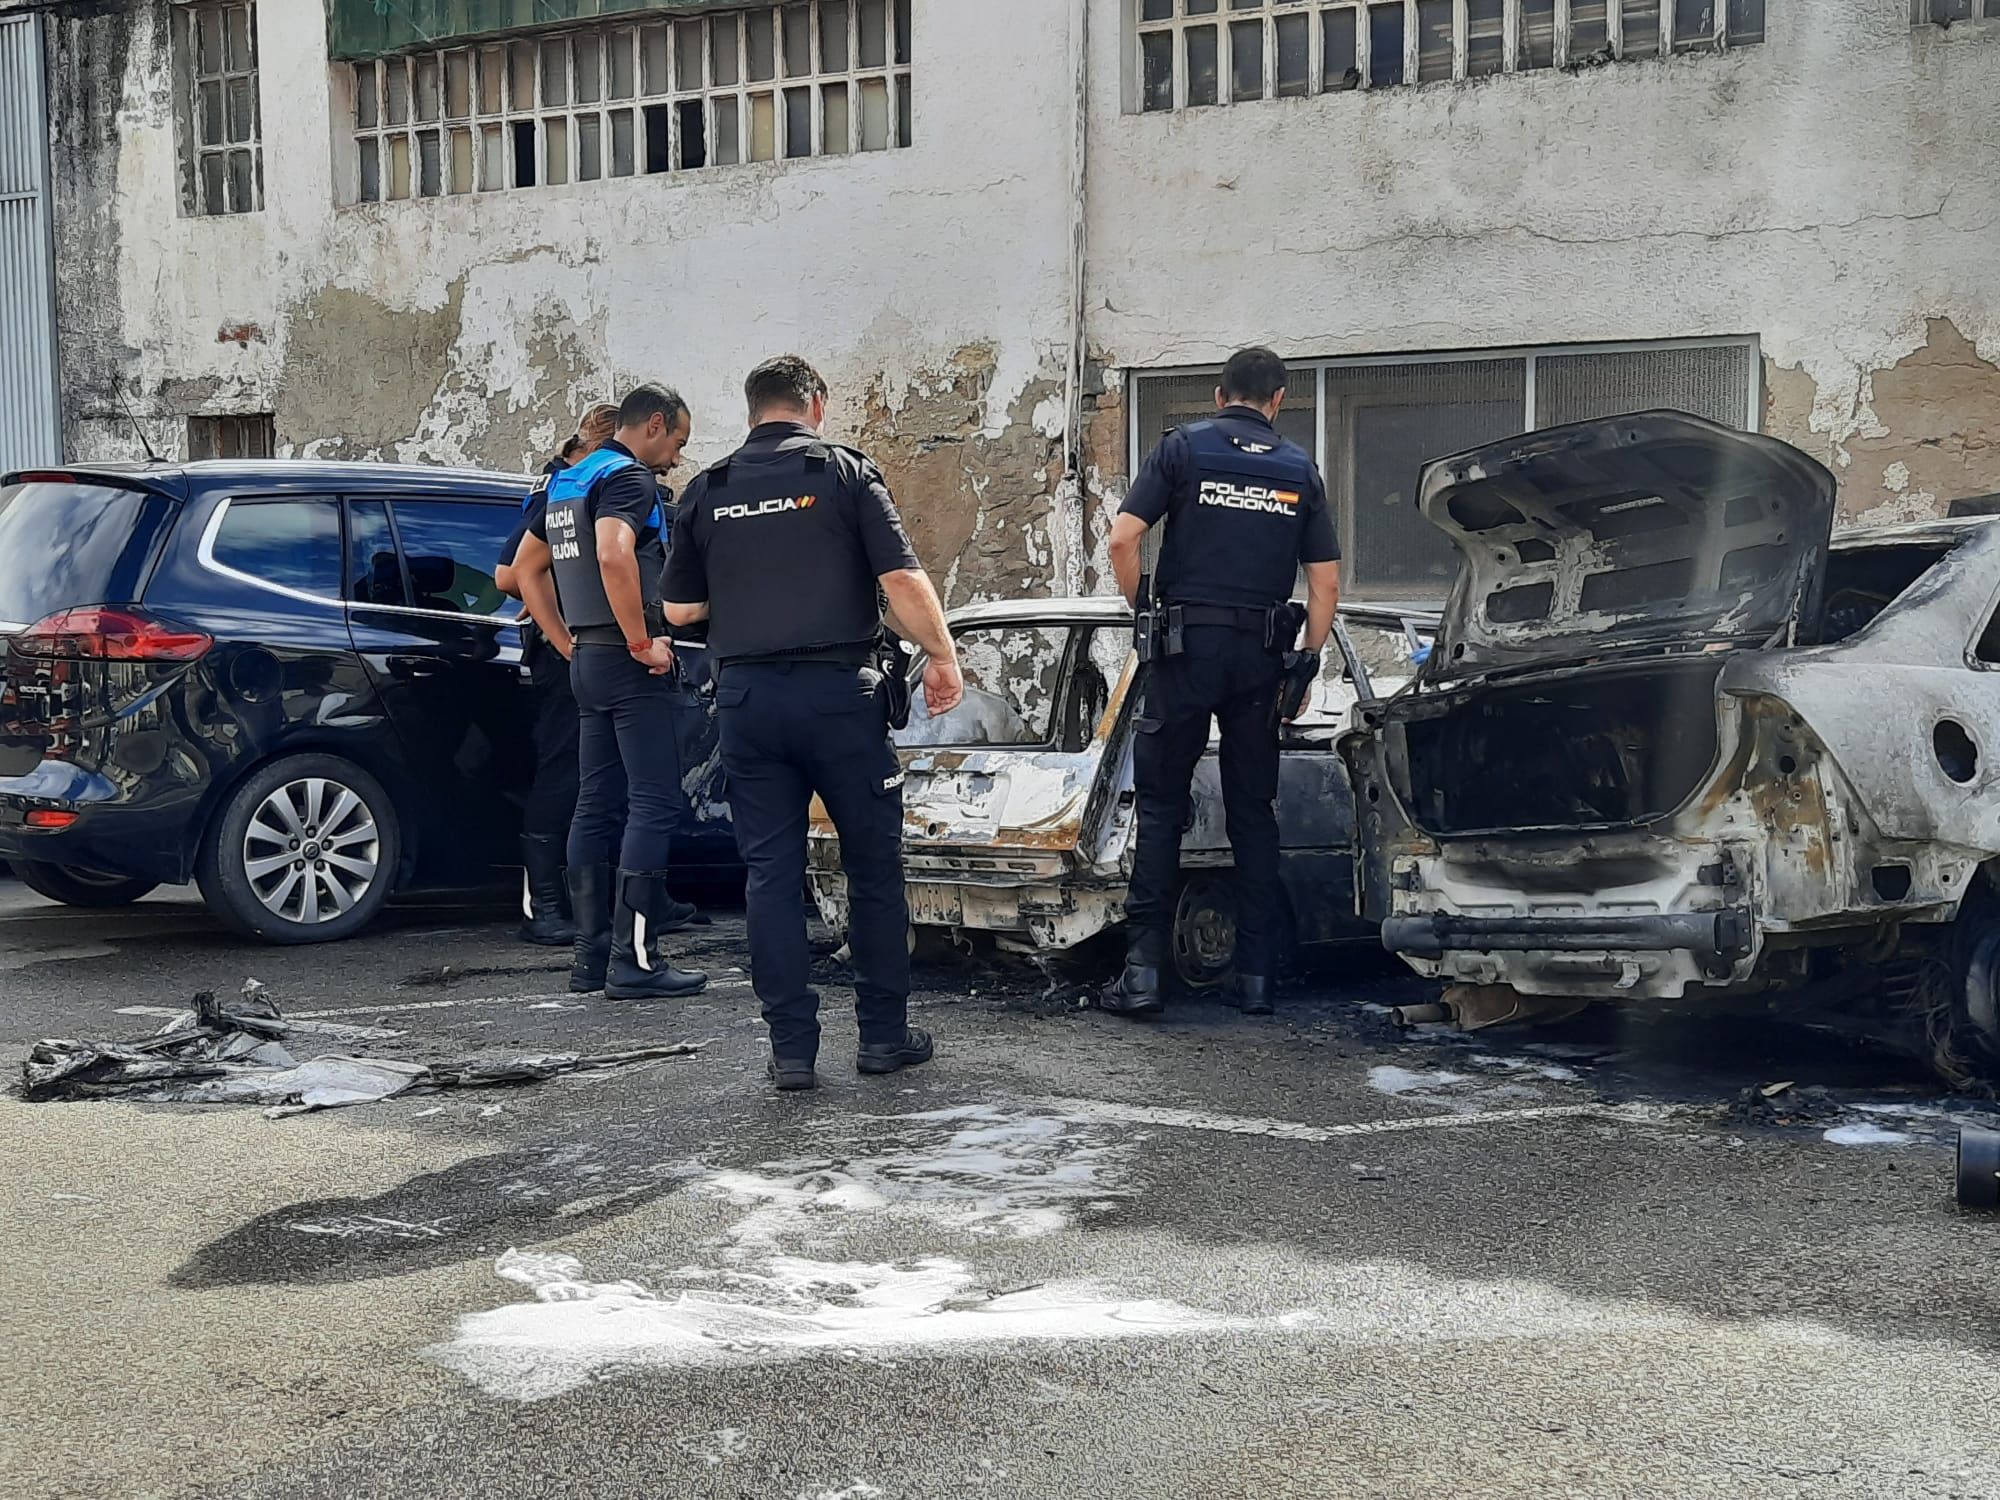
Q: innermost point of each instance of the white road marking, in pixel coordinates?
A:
(1288, 1130)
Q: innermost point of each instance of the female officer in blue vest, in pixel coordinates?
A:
(545, 653)
(602, 529)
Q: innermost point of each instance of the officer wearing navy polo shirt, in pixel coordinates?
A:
(1244, 508)
(603, 527)
(781, 548)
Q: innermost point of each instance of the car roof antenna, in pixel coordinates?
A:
(138, 431)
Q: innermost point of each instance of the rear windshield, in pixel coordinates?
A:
(62, 545)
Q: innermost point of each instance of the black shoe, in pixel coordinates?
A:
(791, 1074)
(590, 899)
(1136, 992)
(542, 860)
(1253, 994)
(893, 1057)
(675, 916)
(643, 894)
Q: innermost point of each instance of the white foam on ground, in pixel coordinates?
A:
(976, 1173)
(575, 1329)
(1393, 1080)
(1865, 1135)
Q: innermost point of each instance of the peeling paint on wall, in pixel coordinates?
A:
(1922, 432)
(977, 498)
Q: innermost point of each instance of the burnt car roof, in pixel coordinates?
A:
(1654, 530)
(1093, 608)
(1941, 529)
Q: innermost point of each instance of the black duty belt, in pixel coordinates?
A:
(1237, 616)
(598, 635)
(829, 656)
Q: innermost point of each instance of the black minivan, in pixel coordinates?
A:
(295, 682)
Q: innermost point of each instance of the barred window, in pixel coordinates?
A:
(1374, 423)
(215, 75)
(1193, 52)
(1947, 12)
(232, 437)
(811, 78)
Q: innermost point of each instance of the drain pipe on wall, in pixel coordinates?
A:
(1067, 524)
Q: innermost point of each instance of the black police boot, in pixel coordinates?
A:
(1136, 992)
(643, 893)
(590, 899)
(542, 858)
(1253, 994)
(893, 1057)
(791, 1074)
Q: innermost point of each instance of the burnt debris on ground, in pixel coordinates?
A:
(235, 1052)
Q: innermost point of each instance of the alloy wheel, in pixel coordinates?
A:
(311, 850)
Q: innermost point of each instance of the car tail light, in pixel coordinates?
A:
(99, 632)
(44, 818)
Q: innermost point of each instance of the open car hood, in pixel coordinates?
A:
(1654, 530)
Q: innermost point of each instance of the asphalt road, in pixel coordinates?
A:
(1073, 1257)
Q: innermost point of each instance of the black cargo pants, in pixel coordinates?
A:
(552, 794)
(1226, 674)
(791, 730)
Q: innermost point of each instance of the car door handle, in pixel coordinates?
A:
(415, 667)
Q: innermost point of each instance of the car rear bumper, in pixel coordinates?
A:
(113, 834)
(1718, 938)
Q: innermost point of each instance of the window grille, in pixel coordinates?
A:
(1198, 52)
(769, 83)
(215, 69)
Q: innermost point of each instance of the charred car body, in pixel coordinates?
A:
(1018, 807)
(1675, 741)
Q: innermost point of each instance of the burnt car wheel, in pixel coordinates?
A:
(1204, 934)
(304, 851)
(87, 888)
(1978, 1168)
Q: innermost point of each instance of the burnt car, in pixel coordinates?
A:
(294, 682)
(1675, 740)
(1018, 806)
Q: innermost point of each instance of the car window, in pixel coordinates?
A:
(1386, 650)
(64, 544)
(374, 576)
(294, 544)
(449, 549)
(1013, 677)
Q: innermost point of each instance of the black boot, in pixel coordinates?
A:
(590, 899)
(1136, 992)
(643, 894)
(542, 859)
(1253, 994)
(893, 1057)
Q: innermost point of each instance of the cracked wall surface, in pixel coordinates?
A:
(1834, 192)
(928, 284)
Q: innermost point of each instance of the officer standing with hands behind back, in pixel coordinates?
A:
(781, 548)
(1218, 635)
(603, 528)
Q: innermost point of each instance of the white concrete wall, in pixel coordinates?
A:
(879, 267)
(1829, 191)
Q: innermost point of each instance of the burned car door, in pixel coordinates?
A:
(1006, 797)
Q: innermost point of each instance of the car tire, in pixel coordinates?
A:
(86, 888)
(265, 872)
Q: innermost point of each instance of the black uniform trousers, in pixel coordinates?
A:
(628, 762)
(791, 730)
(552, 793)
(1224, 673)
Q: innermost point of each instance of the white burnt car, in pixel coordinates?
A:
(1018, 808)
(1674, 741)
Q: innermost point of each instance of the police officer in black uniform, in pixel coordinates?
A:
(1244, 508)
(603, 528)
(781, 547)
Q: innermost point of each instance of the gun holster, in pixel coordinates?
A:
(1282, 624)
(894, 667)
(1299, 673)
